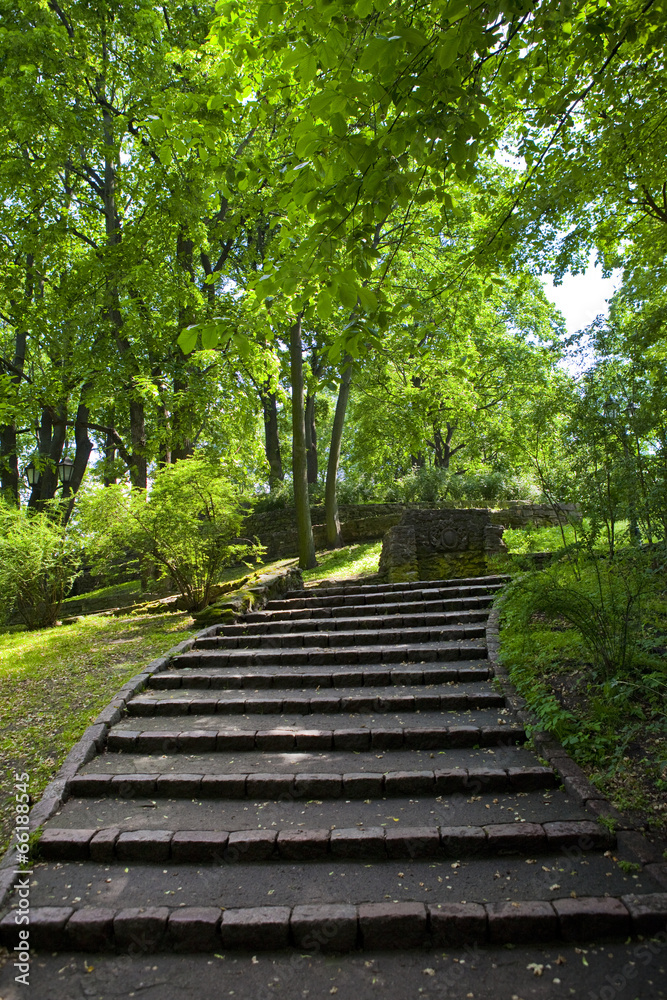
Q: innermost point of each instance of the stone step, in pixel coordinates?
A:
(465, 649)
(240, 782)
(318, 640)
(283, 737)
(371, 843)
(425, 591)
(423, 607)
(427, 621)
(338, 927)
(307, 702)
(286, 677)
(401, 589)
(473, 808)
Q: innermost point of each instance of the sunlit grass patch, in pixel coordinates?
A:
(349, 562)
(53, 682)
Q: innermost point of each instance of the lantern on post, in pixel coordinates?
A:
(65, 471)
(31, 473)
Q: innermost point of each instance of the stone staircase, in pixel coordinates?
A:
(338, 771)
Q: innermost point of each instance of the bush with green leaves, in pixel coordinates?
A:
(39, 561)
(187, 525)
(598, 597)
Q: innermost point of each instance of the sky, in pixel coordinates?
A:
(581, 297)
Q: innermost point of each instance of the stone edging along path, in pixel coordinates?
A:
(440, 654)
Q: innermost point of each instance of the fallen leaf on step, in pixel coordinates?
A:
(536, 969)
(428, 972)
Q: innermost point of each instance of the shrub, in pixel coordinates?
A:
(600, 599)
(39, 561)
(187, 525)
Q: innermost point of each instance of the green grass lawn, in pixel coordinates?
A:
(53, 682)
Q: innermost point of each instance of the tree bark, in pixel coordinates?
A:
(52, 435)
(304, 528)
(334, 538)
(271, 439)
(9, 462)
(311, 439)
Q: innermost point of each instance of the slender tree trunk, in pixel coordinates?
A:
(9, 462)
(110, 450)
(311, 439)
(139, 467)
(181, 443)
(334, 539)
(271, 439)
(52, 435)
(299, 464)
(83, 448)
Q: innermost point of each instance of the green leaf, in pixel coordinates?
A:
(368, 299)
(324, 305)
(209, 337)
(447, 52)
(187, 339)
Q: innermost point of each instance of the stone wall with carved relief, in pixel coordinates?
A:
(440, 545)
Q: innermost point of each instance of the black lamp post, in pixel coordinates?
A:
(65, 471)
(32, 474)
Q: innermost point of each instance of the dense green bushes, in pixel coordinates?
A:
(428, 484)
(187, 526)
(39, 559)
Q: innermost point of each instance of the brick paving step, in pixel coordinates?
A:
(338, 928)
(240, 779)
(382, 595)
(336, 638)
(272, 719)
(401, 589)
(479, 879)
(306, 701)
(431, 605)
(285, 738)
(339, 768)
(425, 620)
(474, 808)
(344, 655)
(323, 676)
(372, 843)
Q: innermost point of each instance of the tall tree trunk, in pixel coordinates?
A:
(9, 462)
(52, 435)
(181, 443)
(139, 467)
(271, 439)
(110, 450)
(299, 465)
(83, 448)
(311, 439)
(334, 539)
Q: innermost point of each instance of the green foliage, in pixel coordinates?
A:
(602, 601)
(187, 525)
(38, 564)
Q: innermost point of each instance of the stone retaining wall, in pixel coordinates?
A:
(370, 522)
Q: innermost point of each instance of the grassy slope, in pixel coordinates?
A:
(53, 682)
(616, 729)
